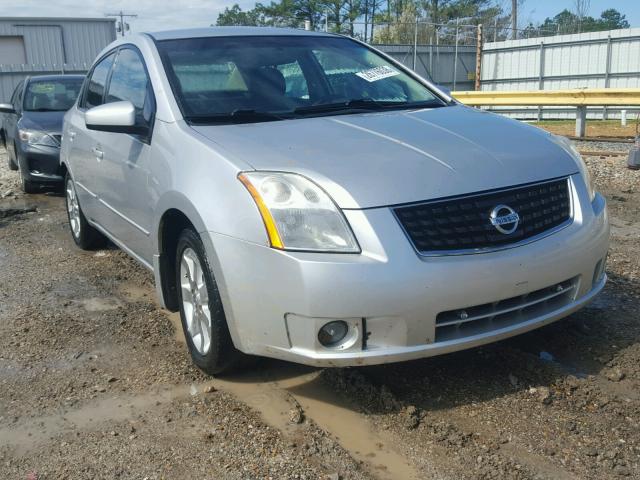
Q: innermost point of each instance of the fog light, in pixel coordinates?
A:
(598, 273)
(332, 333)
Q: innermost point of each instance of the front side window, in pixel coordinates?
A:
(57, 95)
(259, 78)
(129, 80)
(97, 82)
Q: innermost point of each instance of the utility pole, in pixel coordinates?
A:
(479, 41)
(514, 19)
(122, 15)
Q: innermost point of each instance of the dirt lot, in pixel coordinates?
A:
(95, 381)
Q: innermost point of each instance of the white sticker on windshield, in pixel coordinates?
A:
(378, 73)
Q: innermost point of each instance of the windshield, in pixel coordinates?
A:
(51, 95)
(255, 78)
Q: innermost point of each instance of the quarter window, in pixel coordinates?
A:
(98, 81)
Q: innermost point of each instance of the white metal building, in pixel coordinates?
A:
(609, 59)
(32, 46)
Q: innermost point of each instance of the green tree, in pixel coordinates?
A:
(236, 16)
(612, 19)
(569, 22)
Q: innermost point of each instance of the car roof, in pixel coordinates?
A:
(233, 32)
(54, 77)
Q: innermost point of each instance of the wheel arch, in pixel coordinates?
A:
(175, 212)
(171, 223)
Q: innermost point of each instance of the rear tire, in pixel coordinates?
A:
(84, 235)
(203, 320)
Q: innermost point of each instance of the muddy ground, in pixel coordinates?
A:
(96, 382)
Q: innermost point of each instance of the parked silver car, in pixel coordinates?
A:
(302, 196)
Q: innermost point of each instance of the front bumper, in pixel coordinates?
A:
(40, 163)
(276, 301)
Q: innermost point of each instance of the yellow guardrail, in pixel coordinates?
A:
(579, 98)
(596, 97)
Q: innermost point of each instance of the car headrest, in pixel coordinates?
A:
(268, 81)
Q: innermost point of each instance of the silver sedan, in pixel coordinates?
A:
(302, 196)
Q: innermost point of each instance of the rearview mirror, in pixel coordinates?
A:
(117, 117)
(7, 108)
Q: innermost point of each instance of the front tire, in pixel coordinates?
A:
(11, 161)
(28, 186)
(84, 235)
(203, 320)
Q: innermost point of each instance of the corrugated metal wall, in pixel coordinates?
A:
(53, 45)
(586, 60)
(436, 63)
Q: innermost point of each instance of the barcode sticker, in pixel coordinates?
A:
(377, 73)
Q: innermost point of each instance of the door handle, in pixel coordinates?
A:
(72, 135)
(98, 153)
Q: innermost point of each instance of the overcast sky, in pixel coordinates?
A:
(168, 14)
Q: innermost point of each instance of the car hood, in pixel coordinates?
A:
(394, 157)
(50, 122)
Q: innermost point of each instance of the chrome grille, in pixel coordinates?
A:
(463, 224)
(477, 319)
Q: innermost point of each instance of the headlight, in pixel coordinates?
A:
(298, 214)
(582, 167)
(34, 137)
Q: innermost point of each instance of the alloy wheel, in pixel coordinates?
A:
(195, 301)
(73, 209)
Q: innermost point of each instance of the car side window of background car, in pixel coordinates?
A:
(97, 82)
(129, 81)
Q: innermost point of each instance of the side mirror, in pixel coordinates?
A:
(7, 108)
(116, 117)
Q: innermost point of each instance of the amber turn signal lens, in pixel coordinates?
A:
(267, 218)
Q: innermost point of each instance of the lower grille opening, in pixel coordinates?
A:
(478, 319)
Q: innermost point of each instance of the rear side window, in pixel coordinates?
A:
(129, 82)
(97, 82)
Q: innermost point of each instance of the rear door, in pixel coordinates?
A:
(124, 170)
(84, 145)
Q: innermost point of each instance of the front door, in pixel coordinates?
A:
(83, 145)
(124, 170)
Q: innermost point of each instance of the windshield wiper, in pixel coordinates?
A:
(236, 116)
(367, 104)
(46, 110)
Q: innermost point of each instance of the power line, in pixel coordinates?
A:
(123, 26)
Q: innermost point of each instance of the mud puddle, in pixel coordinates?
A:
(282, 387)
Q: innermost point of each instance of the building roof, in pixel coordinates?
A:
(56, 19)
(231, 32)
